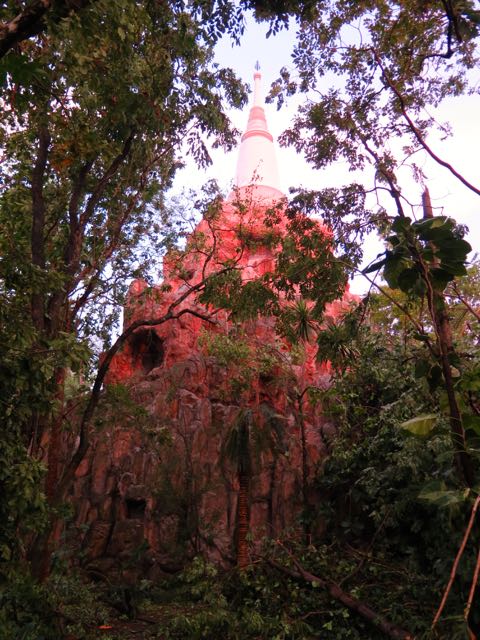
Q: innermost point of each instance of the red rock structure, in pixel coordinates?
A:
(177, 498)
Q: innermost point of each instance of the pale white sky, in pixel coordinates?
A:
(460, 150)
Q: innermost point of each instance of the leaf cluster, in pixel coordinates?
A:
(430, 251)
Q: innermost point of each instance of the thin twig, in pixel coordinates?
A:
(472, 588)
(416, 131)
(457, 560)
(465, 302)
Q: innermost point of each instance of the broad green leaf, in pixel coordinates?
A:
(375, 266)
(440, 278)
(408, 279)
(444, 498)
(435, 377)
(401, 223)
(472, 423)
(430, 223)
(422, 367)
(454, 268)
(421, 337)
(471, 381)
(421, 425)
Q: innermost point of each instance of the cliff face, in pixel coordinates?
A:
(168, 489)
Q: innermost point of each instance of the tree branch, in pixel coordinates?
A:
(77, 225)
(38, 221)
(457, 560)
(25, 25)
(30, 22)
(465, 302)
(416, 131)
(388, 175)
(352, 603)
(104, 180)
(84, 442)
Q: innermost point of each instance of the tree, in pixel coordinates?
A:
(22, 22)
(391, 63)
(96, 109)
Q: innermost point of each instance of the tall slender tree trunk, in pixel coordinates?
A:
(46, 542)
(243, 521)
(303, 441)
(439, 313)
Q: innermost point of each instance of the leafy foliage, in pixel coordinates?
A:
(99, 104)
(435, 244)
(64, 605)
(388, 493)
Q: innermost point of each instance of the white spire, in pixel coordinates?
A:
(257, 163)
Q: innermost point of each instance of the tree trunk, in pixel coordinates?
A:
(303, 439)
(439, 313)
(38, 226)
(462, 457)
(243, 521)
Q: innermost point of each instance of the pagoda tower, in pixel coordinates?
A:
(183, 498)
(256, 191)
(257, 167)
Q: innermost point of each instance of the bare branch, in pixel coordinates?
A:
(453, 572)
(416, 131)
(105, 179)
(465, 302)
(92, 403)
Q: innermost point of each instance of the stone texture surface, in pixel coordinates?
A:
(141, 505)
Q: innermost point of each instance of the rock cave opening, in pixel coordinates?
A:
(147, 349)
(135, 508)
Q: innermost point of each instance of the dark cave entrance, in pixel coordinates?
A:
(136, 508)
(147, 348)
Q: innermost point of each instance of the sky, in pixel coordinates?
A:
(449, 196)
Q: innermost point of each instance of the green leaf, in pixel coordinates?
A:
(454, 268)
(422, 368)
(394, 265)
(435, 377)
(401, 223)
(421, 337)
(375, 266)
(421, 425)
(455, 248)
(408, 279)
(472, 423)
(442, 497)
(471, 380)
(440, 278)
(431, 223)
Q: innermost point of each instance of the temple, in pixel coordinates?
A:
(168, 487)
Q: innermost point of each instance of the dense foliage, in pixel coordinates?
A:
(99, 102)
(386, 495)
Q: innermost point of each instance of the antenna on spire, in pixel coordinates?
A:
(257, 78)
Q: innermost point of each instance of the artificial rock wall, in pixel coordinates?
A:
(157, 488)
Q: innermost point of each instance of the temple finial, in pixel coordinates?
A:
(257, 90)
